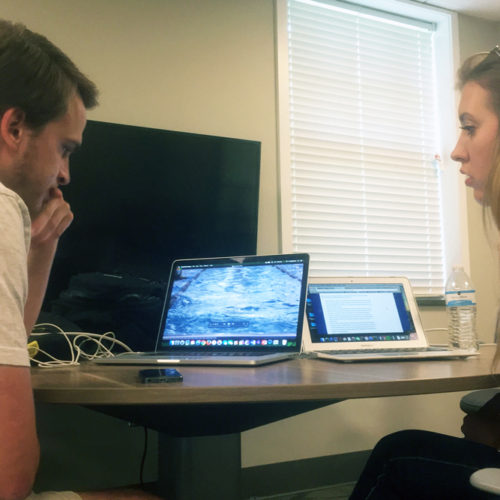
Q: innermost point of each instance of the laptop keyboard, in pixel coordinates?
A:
(205, 354)
(381, 351)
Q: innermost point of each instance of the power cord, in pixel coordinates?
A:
(431, 330)
(143, 460)
(436, 330)
(102, 344)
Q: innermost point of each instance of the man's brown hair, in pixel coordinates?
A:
(37, 77)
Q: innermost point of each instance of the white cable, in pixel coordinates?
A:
(55, 361)
(76, 346)
(436, 330)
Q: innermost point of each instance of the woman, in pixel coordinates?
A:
(425, 465)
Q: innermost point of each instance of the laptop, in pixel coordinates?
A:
(244, 311)
(367, 319)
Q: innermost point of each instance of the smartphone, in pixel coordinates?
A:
(160, 376)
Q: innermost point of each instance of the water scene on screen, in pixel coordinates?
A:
(237, 300)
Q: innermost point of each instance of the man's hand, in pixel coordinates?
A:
(46, 229)
(52, 221)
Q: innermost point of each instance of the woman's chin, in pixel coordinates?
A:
(479, 196)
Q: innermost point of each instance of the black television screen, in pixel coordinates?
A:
(143, 197)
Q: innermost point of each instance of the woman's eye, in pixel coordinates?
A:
(469, 129)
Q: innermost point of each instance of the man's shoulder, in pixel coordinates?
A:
(14, 213)
(11, 197)
(8, 193)
(7, 196)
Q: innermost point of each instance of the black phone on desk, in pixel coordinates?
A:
(159, 375)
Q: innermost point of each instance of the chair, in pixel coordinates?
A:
(473, 401)
(487, 479)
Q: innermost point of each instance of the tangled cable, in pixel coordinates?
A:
(102, 344)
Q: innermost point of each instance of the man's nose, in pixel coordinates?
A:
(64, 177)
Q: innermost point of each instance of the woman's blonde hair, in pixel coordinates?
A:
(484, 69)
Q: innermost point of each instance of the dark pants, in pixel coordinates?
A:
(424, 465)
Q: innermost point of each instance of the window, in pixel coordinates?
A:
(366, 129)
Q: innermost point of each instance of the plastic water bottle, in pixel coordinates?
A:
(461, 310)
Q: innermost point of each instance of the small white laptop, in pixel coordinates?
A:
(244, 311)
(366, 319)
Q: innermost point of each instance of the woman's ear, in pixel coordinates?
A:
(13, 127)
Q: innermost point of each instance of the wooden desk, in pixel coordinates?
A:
(200, 419)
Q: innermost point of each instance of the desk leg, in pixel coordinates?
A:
(194, 468)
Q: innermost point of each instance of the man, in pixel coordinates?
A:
(43, 102)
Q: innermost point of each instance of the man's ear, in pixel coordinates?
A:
(13, 127)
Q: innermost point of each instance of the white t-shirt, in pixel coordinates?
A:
(15, 234)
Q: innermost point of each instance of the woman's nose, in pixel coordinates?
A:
(458, 154)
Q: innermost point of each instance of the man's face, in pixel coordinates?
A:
(43, 164)
(476, 144)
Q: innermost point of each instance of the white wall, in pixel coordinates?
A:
(207, 66)
(195, 65)
(357, 425)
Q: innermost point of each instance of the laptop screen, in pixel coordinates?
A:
(359, 312)
(246, 303)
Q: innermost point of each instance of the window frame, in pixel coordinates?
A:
(454, 224)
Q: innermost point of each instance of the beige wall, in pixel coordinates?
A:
(357, 425)
(194, 65)
(207, 66)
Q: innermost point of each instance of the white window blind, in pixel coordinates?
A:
(363, 138)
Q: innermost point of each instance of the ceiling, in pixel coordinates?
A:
(486, 9)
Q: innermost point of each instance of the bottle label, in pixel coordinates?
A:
(460, 298)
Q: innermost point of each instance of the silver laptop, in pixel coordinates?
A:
(365, 319)
(230, 311)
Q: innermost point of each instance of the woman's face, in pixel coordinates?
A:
(476, 144)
